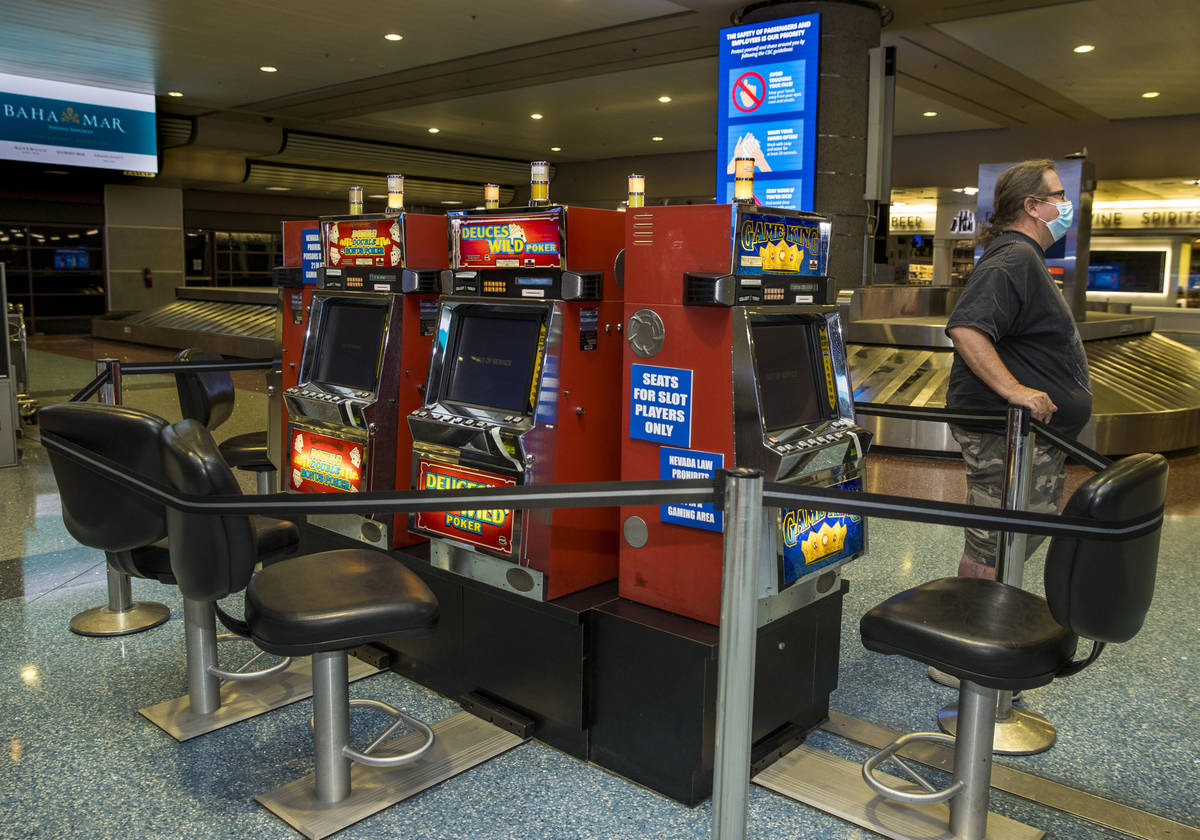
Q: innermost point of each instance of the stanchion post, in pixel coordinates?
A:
(120, 588)
(735, 671)
(1018, 473)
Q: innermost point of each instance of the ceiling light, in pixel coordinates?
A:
(535, 116)
(1193, 183)
(1150, 94)
(971, 190)
(392, 36)
(433, 130)
(380, 195)
(450, 201)
(556, 148)
(1085, 48)
(929, 114)
(175, 93)
(267, 68)
(279, 189)
(656, 139)
(664, 99)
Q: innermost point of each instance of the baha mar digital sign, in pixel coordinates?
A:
(767, 108)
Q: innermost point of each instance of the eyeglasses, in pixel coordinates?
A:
(1058, 195)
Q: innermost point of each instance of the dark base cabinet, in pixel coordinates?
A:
(622, 685)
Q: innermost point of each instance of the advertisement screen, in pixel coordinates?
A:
(376, 243)
(76, 125)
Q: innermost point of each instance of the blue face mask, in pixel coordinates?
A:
(1066, 214)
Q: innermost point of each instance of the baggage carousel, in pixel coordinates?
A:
(235, 321)
(1146, 387)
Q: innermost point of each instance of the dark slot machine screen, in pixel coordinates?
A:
(493, 361)
(791, 393)
(351, 337)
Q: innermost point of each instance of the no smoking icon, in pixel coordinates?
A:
(749, 91)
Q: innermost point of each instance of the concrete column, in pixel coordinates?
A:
(848, 30)
(143, 228)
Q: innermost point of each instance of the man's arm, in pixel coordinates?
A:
(978, 351)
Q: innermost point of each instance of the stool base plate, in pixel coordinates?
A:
(101, 621)
(834, 785)
(461, 741)
(1023, 732)
(243, 700)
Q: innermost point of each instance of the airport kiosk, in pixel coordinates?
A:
(732, 358)
(362, 369)
(521, 390)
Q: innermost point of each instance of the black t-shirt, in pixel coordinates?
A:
(1011, 297)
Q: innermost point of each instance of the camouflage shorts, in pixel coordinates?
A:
(984, 455)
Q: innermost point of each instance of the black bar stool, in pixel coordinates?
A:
(996, 637)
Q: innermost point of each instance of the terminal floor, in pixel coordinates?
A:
(79, 762)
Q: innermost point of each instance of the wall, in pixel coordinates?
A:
(143, 228)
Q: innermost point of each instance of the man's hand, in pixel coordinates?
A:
(1038, 402)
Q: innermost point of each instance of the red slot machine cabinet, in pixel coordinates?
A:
(732, 358)
(521, 391)
(363, 365)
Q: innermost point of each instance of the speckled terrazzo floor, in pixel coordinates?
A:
(79, 762)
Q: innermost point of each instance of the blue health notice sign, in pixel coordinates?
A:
(767, 79)
(685, 464)
(310, 253)
(660, 405)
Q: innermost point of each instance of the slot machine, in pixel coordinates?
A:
(363, 365)
(521, 390)
(733, 358)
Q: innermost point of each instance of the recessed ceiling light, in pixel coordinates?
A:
(556, 148)
(664, 99)
(656, 139)
(1085, 48)
(279, 189)
(393, 36)
(971, 190)
(929, 114)
(174, 93)
(535, 116)
(433, 130)
(267, 68)
(1150, 94)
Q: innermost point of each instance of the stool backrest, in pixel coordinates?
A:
(98, 512)
(211, 556)
(1101, 588)
(207, 397)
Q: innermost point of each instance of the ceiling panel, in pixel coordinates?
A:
(613, 115)
(912, 104)
(211, 51)
(1150, 45)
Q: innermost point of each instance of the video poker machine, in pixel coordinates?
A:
(734, 358)
(525, 367)
(362, 370)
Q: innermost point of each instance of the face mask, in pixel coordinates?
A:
(1066, 214)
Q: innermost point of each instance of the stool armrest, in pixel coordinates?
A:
(1072, 668)
(889, 792)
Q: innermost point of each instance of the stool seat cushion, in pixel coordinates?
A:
(987, 632)
(247, 452)
(336, 600)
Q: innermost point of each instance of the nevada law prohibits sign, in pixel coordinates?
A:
(767, 108)
(660, 405)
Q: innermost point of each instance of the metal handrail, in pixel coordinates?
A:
(134, 368)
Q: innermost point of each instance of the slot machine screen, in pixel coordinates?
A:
(493, 360)
(791, 388)
(351, 336)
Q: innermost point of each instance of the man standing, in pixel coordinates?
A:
(1015, 342)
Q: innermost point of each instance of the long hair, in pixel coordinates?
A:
(1014, 185)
